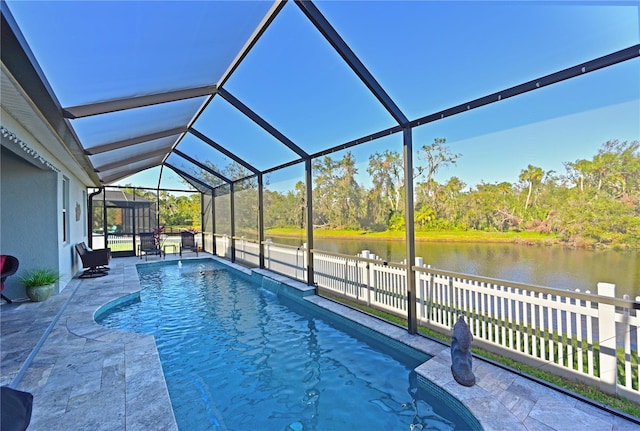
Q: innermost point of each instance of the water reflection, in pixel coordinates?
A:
(422, 415)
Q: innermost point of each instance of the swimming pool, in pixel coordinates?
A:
(237, 356)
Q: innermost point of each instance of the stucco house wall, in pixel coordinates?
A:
(34, 186)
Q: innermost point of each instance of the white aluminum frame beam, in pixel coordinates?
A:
(116, 105)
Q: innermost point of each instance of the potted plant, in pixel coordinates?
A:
(40, 283)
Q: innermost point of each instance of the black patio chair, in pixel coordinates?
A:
(188, 242)
(148, 246)
(15, 409)
(8, 266)
(95, 261)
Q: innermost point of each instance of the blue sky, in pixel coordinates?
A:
(427, 55)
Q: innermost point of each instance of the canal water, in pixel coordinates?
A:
(557, 267)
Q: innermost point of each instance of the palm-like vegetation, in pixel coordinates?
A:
(596, 202)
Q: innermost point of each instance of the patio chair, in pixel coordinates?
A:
(95, 261)
(148, 246)
(15, 409)
(188, 242)
(8, 266)
(100, 250)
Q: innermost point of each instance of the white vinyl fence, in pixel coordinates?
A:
(593, 338)
(118, 242)
(587, 337)
(247, 251)
(115, 241)
(284, 259)
(223, 245)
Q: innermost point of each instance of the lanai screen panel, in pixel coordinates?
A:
(113, 52)
(97, 215)
(195, 171)
(201, 40)
(285, 199)
(243, 137)
(347, 196)
(133, 152)
(207, 221)
(145, 133)
(171, 180)
(222, 217)
(119, 173)
(433, 55)
(427, 56)
(561, 123)
(207, 155)
(111, 127)
(197, 186)
(246, 208)
(296, 80)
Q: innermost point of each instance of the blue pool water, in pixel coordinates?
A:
(238, 357)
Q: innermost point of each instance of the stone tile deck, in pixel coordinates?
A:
(87, 377)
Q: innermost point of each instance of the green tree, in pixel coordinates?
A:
(602, 205)
(531, 177)
(491, 207)
(338, 198)
(437, 155)
(578, 173)
(285, 209)
(168, 208)
(428, 203)
(387, 176)
(450, 199)
(384, 199)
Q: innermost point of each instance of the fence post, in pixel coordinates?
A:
(305, 260)
(365, 275)
(607, 339)
(430, 294)
(345, 277)
(267, 253)
(449, 304)
(372, 277)
(420, 291)
(225, 243)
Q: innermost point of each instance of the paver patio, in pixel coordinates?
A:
(86, 377)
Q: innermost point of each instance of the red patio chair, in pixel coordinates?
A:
(8, 266)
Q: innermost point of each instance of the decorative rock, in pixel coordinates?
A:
(461, 359)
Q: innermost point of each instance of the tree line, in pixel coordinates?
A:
(595, 202)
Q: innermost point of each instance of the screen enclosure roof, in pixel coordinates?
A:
(217, 91)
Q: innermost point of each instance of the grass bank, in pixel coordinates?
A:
(530, 238)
